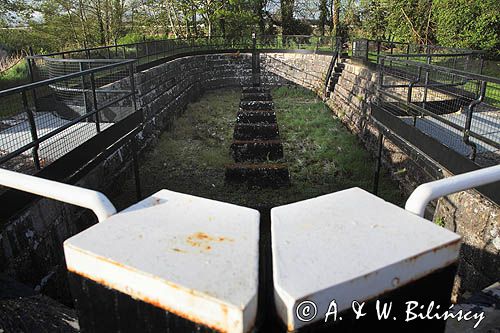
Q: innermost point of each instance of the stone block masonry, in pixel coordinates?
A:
(468, 213)
(31, 241)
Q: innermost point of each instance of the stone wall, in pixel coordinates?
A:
(306, 70)
(477, 219)
(31, 242)
(474, 217)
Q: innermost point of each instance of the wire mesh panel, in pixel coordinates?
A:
(459, 109)
(43, 121)
(461, 59)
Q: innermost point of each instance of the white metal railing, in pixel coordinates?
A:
(93, 200)
(423, 194)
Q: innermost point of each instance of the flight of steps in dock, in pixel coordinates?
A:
(335, 74)
(257, 147)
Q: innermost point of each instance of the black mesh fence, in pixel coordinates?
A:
(462, 59)
(459, 109)
(72, 102)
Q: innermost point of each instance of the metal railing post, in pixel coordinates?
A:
(84, 87)
(34, 134)
(380, 79)
(426, 83)
(378, 50)
(378, 165)
(32, 73)
(410, 92)
(132, 85)
(367, 49)
(94, 99)
(468, 120)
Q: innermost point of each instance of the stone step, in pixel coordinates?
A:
(256, 90)
(257, 150)
(256, 116)
(334, 80)
(256, 131)
(257, 105)
(257, 96)
(258, 174)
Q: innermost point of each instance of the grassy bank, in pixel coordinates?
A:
(322, 156)
(14, 76)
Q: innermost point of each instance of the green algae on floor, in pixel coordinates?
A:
(322, 155)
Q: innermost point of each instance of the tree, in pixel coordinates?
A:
(468, 24)
(335, 14)
(12, 11)
(287, 16)
(323, 16)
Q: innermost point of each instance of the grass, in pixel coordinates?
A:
(14, 76)
(322, 155)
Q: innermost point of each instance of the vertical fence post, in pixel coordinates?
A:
(84, 87)
(34, 135)
(410, 92)
(94, 100)
(31, 70)
(378, 51)
(468, 120)
(426, 83)
(132, 85)
(378, 164)
(367, 49)
(380, 79)
(146, 46)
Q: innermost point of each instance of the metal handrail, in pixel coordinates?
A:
(78, 196)
(425, 193)
(226, 40)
